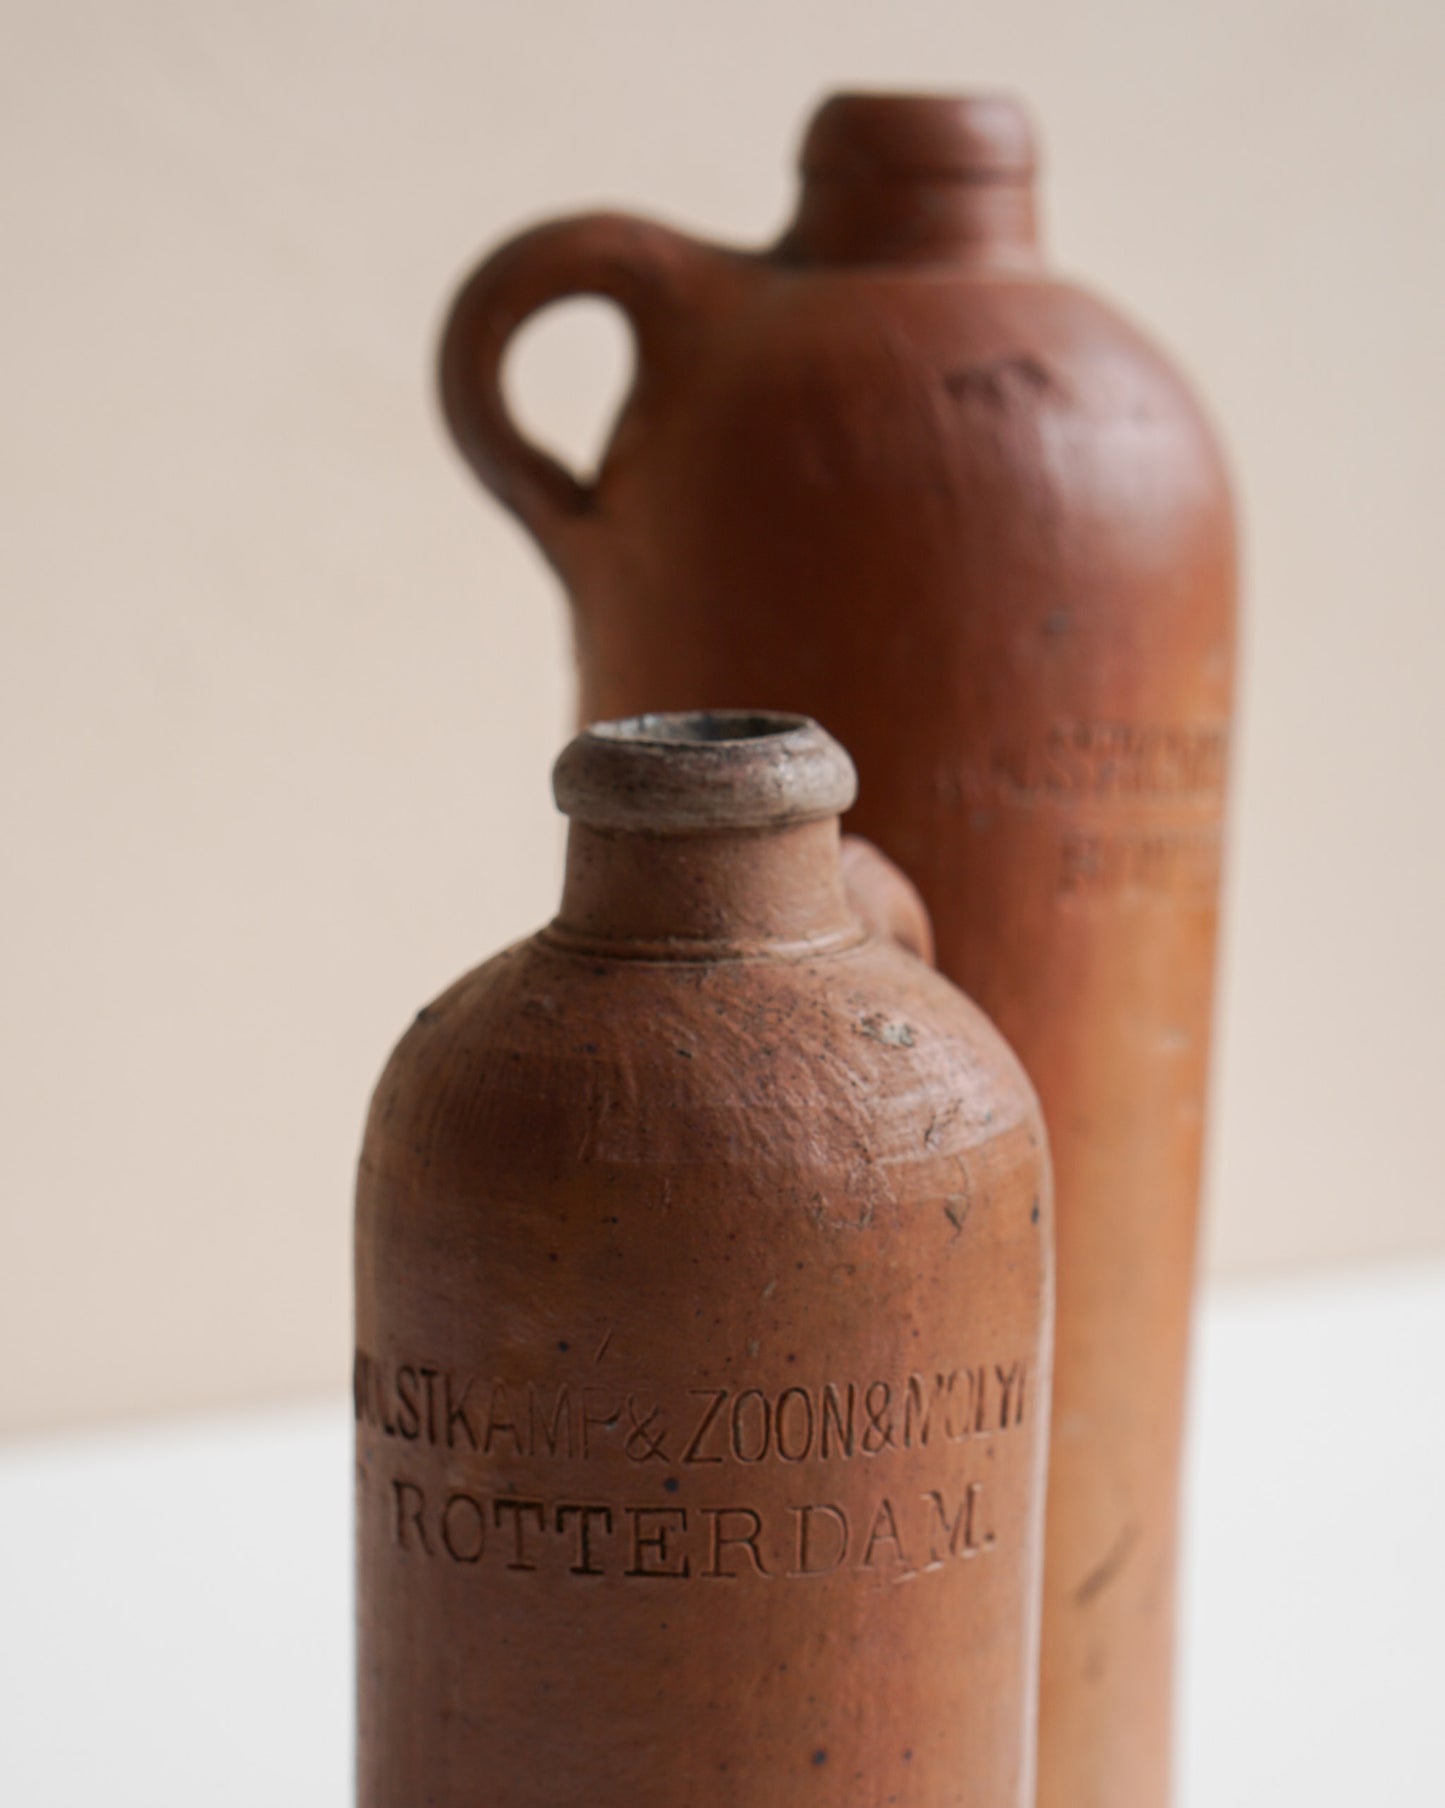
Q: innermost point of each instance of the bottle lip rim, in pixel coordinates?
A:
(699, 727)
(692, 771)
(979, 136)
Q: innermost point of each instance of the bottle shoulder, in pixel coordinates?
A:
(849, 1064)
(887, 380)
(932, 309)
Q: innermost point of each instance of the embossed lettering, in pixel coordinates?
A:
(646, 1430)
(517, 1508)
(464, 1545)
(383, 1409)
(957, 1429)
(750, 1441)
(651, 1528)
(884, 1530)
(715, 1396)
(959, 1533)
(1116, 761)
(500, 1420)
(400, 1491)
(429, 1378)
(585, 1513)
(728, 1540)
(408, 1415)
(1153, 861)
(669, 1541)
(878, 1432)
(555, 1432)
(1008, 1400)
(456, 1412)
(600, 1421)
(918, 1401)
(834, 1418)
(813, 1557)
(795, 1427)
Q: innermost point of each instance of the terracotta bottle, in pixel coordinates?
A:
(897, 474)
(703, 1277)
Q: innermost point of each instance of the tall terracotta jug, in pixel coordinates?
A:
(703, 1280)
(895, 473)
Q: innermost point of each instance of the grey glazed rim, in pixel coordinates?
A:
(694, 770)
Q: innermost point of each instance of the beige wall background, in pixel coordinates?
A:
(280, 691)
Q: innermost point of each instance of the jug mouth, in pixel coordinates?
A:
(693, 771)
(700, 727)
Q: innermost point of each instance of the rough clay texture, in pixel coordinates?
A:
(703, 1314)
(895, 474)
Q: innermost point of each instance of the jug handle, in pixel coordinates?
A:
(648, 270)
(885, 898)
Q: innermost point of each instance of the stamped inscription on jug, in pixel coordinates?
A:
(679, 1443)
(896, 1536)
(1121, 761)
(421, 1402)
(1142, 800)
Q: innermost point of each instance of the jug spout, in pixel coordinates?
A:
(891, 178)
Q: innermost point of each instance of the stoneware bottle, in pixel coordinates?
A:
(703, 1285)
(894, 472)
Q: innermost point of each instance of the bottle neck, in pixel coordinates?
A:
(709, 895)
(858, 220)
(916, 178)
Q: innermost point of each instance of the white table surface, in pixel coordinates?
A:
(175, 1606)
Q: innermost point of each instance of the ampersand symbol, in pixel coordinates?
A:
(879, 1430)
(643, 1443)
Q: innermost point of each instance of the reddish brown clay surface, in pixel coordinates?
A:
(894, 473)
(703, 1280)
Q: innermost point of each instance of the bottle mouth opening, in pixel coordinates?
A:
(699, 771)
(699, 727)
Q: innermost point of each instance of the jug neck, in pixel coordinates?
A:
(710, 835)
(897, 178)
